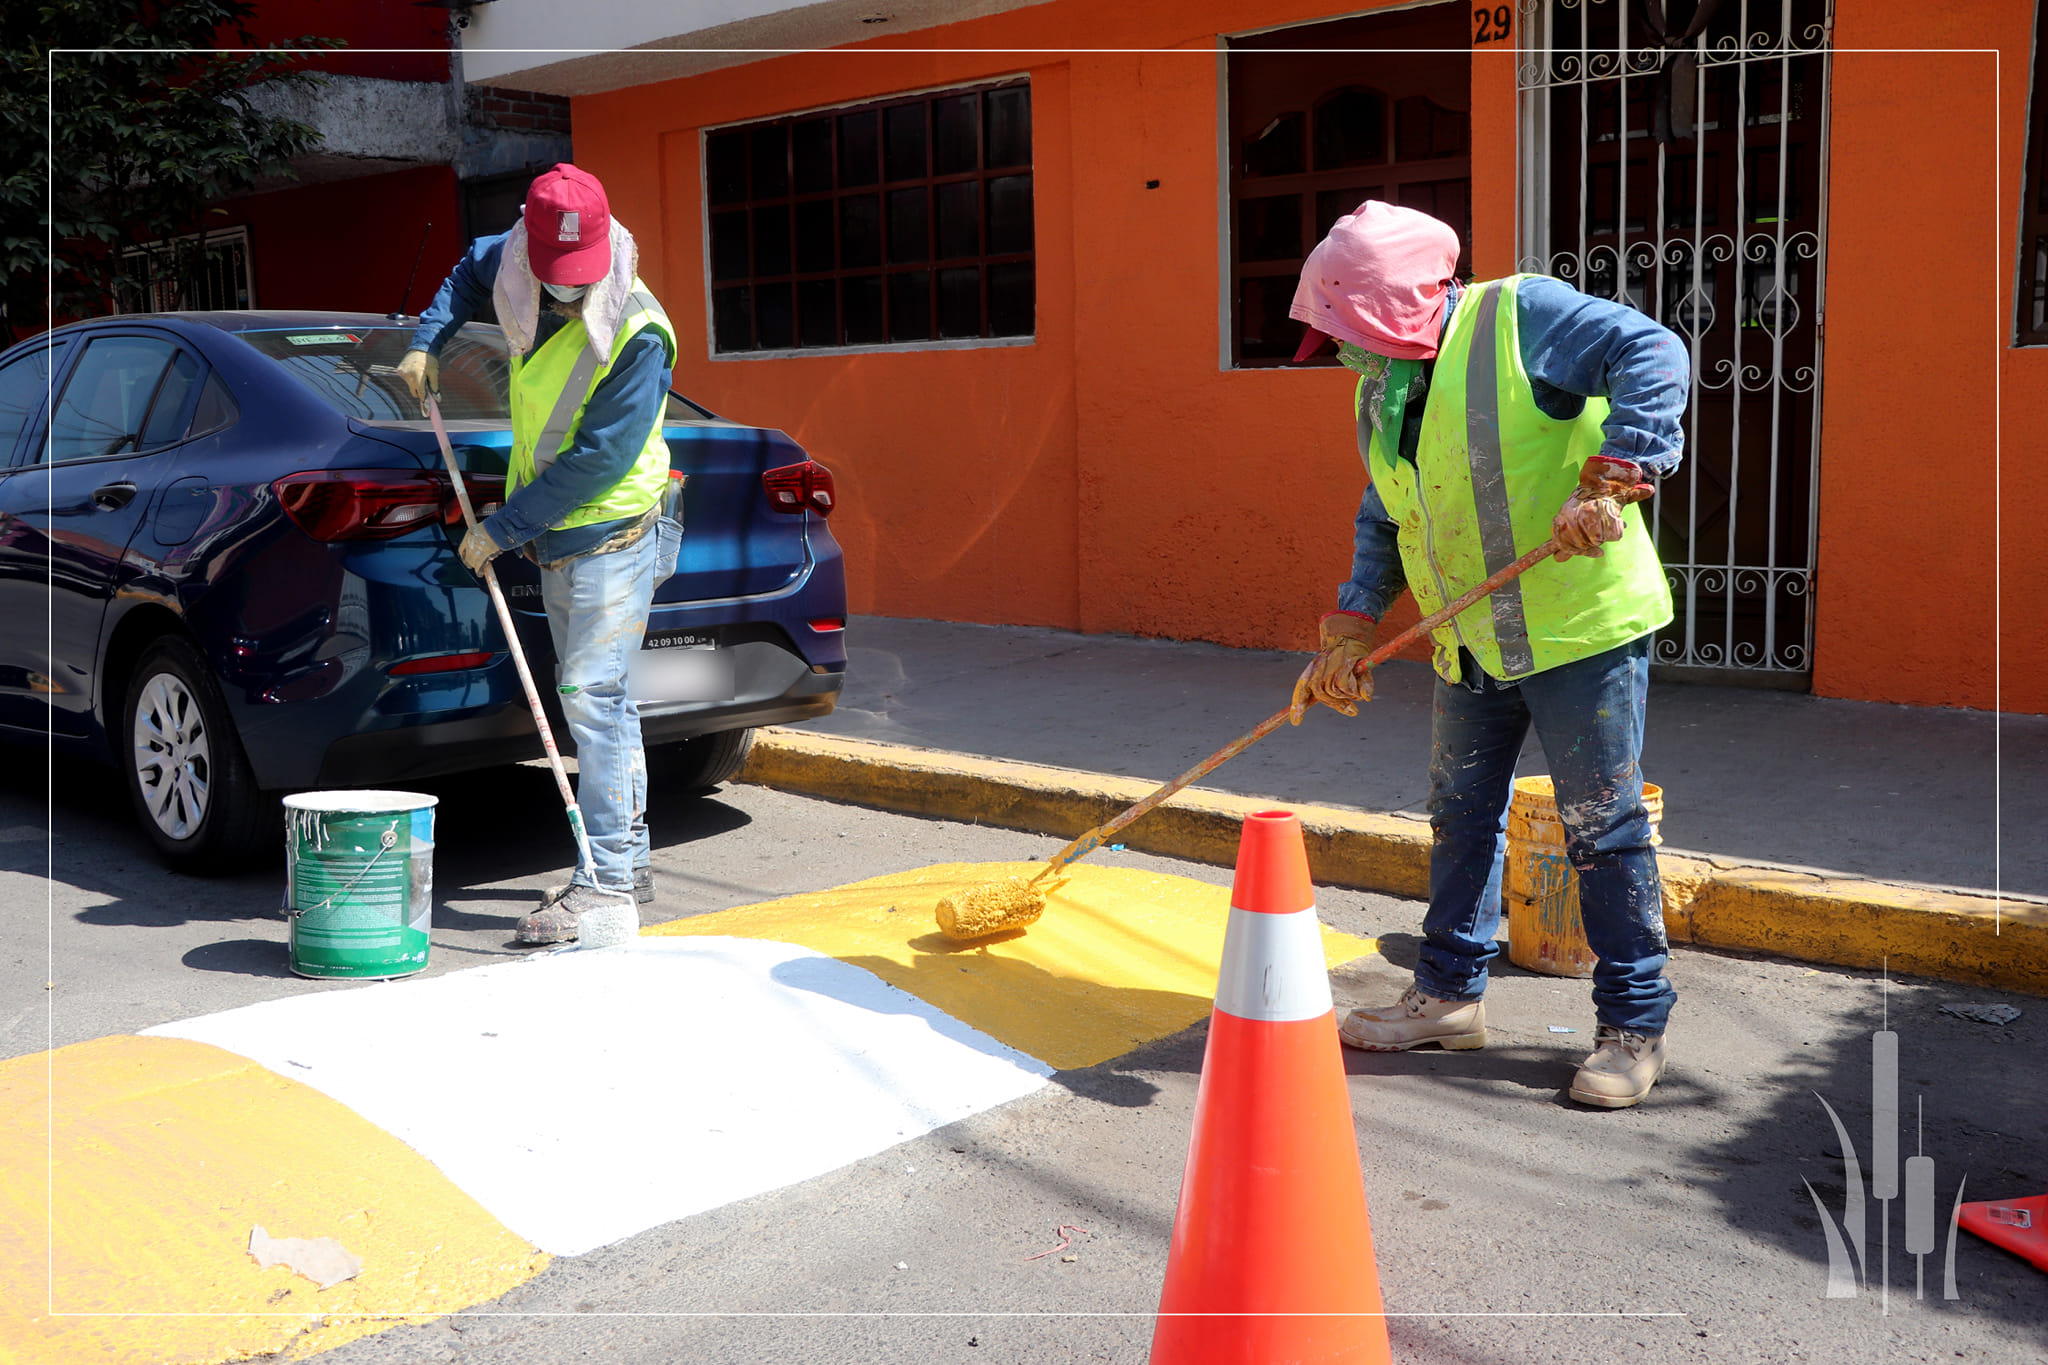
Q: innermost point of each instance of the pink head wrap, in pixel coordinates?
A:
(1378, 281)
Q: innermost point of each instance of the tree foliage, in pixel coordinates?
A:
(107, 149)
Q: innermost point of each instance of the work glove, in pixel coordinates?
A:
(421, 371)
(1334, 677)
(1591, 516)
(478, 549)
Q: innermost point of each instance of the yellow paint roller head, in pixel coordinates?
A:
(991, 908)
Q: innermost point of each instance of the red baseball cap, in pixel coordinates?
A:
(568, 227)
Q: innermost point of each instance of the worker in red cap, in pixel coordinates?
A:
(588, 491)
(1490, 418)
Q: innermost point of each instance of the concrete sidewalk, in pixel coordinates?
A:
(1879, 811)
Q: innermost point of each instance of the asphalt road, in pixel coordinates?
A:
(1510, 1224)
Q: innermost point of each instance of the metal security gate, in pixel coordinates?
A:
(1675, 157)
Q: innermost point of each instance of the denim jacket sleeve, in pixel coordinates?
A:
(608, 439)
(464, 294)
(1377, 577)
(1576, 347)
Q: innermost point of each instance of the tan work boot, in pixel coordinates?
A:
(1417, 1019)
(1621, 1070)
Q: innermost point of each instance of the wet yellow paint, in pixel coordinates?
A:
(131, 1216)
(1121, 957)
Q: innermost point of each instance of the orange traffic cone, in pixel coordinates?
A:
(1272, 1258)
(2018, 1225)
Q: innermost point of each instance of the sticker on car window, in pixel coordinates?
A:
(325, 339)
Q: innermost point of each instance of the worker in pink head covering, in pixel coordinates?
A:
(1492, 418)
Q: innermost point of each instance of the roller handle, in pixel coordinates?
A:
(1093, 839)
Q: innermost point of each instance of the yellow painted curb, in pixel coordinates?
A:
(130, 1186)
(1811, 917)
(1119, 958)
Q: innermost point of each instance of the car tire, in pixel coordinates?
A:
(190, 782)
(700, 764)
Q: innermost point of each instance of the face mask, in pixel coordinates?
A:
(567, 293)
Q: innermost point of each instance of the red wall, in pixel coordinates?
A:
(351, 244)
(1112, 476)
(381, 24)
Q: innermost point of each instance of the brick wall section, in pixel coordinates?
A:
(526, 110)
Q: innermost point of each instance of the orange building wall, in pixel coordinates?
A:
(1113, 476)
(1919, 325)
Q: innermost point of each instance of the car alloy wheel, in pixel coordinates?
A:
(173, 755)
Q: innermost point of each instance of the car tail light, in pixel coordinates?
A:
(805, 487)
(442, 663)
(375, 504)
(824, 623)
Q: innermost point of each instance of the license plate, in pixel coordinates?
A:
(680, 665)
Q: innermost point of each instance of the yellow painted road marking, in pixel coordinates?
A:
(166, 1153)
(1120, 957)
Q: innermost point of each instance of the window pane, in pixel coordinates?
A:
(768, 153)
(859, 149)
(24, 385)
(956, 134)
(1334, 204)
(959, 210)
(817, 303)
(729, 245)
(771, 241)
(860, 231)
(1009, 214)
(814, 236)
(1444, 200)
(1279, 148)
(216, 408)
(910, 306)
(774, 317)
(725, 167)
(1265, 332)
(1012, 299)
(860, 299)
(960, 303)
(1351, 130)
(1424, 130)
(909, 225)
(107, 397)
(732, 319)
(906, 141)
(1008, 127)
(1269, 229)
(813, 153)
(166, 416)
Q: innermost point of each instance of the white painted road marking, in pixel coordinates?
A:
(534, 1085)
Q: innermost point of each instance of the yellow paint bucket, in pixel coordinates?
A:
(1545, 933)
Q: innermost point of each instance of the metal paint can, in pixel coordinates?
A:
(1541, 892)
(359, 882)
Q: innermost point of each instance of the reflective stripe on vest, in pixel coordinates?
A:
(1490, 486)
(570, 403)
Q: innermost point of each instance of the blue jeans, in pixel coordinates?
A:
(597, 612)
(1589, 718)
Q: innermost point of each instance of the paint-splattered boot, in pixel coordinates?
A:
(1621, 1070)
(1414, 1020)
(643, 889)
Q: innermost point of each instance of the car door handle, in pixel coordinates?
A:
(112, 497)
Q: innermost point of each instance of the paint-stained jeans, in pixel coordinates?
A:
(597, 612)
(1589, 718)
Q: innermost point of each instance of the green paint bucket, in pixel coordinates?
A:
(359, 870)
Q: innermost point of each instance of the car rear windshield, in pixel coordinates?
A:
(356, 370)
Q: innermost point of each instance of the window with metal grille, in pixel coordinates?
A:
(1322, 118)
(202, 271)
(899, 222)
(2031, 325)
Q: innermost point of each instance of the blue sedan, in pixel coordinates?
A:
(227, 565)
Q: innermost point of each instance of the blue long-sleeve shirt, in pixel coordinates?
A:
(1574, 347)
(605, 443)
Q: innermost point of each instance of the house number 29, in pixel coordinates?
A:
(1493, 25)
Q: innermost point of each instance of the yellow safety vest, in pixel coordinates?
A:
(550, 390)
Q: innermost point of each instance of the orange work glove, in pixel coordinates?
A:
(1334, 677)
(1591, 516)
